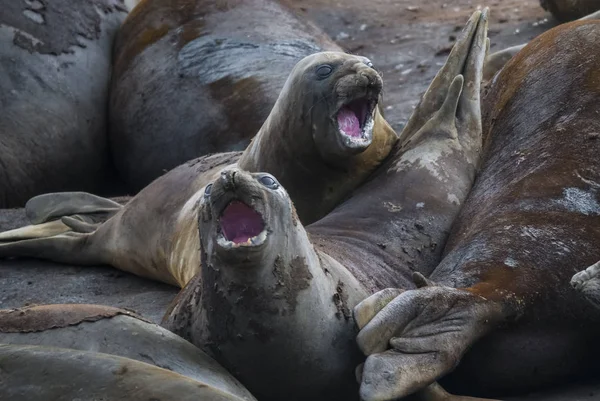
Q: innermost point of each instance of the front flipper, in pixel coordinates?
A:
(428, 329)
(588, 283)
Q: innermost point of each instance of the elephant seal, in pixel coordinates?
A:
(273, 300)
(193, 78)
(55, 60)
(324, 137)
(568, 10)
(71, 339)
(501, 296)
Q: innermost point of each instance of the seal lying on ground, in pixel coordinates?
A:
(92, 352)
(193, 78)
(531, 221)
(273, 301)
(323, 138)
(55, 59)
(568, 10)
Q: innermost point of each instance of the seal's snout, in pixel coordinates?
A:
(360, 92)
(228, 180)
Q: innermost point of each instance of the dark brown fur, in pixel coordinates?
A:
(532, 219)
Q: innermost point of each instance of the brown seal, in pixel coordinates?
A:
(323, 138)
(273, 302)
(193, 78)
(501, 296)
(56, 65)
(568, 10)
(114, 335)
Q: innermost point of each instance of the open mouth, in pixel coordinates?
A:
(355, 121)
(241, 226)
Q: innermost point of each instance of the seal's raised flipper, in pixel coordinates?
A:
(437, 92)
(459, 116)
(496, 61)
(588, 283)
(46, 207)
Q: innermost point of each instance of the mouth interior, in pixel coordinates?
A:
(352, 117)
(239, 222)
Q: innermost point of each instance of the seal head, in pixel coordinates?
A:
(346, 90)
(241, 212)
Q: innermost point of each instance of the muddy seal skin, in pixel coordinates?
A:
(55, 64)
(531, 221)
(273, 302)
(193, 78)
(568, 10)
(323, 138)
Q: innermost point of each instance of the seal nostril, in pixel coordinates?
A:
(228, 178)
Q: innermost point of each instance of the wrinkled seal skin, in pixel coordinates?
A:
(533, 218)
(156, 234)
(588, 283)
(568, 10)
(55, 63)
(104, 330)
(193, 78)
(277, 311)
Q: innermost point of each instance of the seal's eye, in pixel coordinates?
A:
(268, 182)
(207, 190)
(369, 63)
(323, 71)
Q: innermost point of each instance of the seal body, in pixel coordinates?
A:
(55, 60)
(333, 148)
(140, 359)
(193, 78)
(532, 219)
(273, 301)
(568, 10)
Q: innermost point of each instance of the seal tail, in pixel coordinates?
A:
(57, 213)
(69, 247)
(63, 225)
(46, 207)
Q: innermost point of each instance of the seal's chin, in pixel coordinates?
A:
(240, 226)
(355, 122)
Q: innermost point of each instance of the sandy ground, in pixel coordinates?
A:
(407, 41)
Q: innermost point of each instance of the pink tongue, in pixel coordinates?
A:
(240, 222)
(348, 122)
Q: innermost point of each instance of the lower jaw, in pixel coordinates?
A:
(251, 243)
